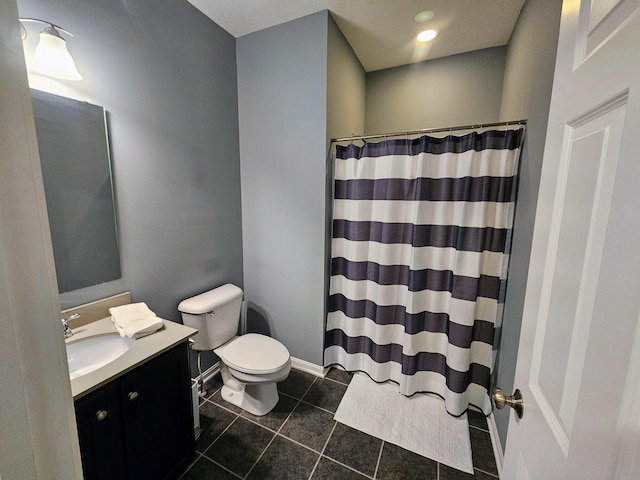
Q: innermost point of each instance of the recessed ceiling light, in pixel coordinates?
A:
(427, 35)
(424, 16)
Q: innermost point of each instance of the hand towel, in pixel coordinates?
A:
(135, 320)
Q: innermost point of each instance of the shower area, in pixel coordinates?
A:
(421, 231)
(287, 198)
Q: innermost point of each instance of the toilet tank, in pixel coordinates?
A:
(216, 315)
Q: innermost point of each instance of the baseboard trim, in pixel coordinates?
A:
(495, 442)
(308, 367)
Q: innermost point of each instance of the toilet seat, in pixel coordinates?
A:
(254, 354)
(277, 376)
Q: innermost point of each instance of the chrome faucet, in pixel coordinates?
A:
(65, 324)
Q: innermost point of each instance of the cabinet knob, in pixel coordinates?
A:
(101, 415)
(132, 396)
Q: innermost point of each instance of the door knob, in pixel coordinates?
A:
(515, 401)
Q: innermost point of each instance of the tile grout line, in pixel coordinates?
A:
(208, 399)
(260, 456)
(198, 457)
(492, 475)
(335, 381)
(306, 447)
(239, 415)
(323, 449)
(335, 424)
(219, 435)
(203, 454)
(223, 467)
(479, 428)
(321, 453)
(347, 467)
(224, 430)
(334, 427)
(299, 400)
(319, 408)
(375, 472)
(277, 432)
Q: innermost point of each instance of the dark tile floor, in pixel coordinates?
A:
(299, 439)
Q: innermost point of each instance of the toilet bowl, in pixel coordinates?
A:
(250, 364)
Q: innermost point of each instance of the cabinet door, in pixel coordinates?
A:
(100, 434)
(158, 418)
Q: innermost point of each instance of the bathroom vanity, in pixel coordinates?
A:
(135, 414)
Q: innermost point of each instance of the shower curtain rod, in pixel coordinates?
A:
(430, 130)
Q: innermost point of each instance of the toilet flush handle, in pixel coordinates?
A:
(210, 314)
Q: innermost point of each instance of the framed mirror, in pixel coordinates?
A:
(73, 141)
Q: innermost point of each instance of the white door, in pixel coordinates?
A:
(579, 356)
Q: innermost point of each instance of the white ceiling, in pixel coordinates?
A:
(381, 32)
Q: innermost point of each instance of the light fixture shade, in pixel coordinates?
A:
(52, 58)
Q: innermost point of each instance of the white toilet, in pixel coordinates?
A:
(250, 364)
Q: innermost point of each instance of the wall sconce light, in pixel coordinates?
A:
(51, 56)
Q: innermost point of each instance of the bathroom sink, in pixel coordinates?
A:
(91, 353)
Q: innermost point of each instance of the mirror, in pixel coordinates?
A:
(76, 169)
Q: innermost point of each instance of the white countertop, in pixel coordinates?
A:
(140, 351)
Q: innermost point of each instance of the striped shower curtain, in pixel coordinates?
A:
(421, 234)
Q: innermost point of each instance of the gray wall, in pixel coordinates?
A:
(455, 90)
(527, 93)
(346, 98)
(166, 75)
(346, 87)
(282, 99)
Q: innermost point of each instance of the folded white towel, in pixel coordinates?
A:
(135, 320)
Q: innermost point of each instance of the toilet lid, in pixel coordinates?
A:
(255, 353)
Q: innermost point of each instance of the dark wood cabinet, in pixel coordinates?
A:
(140, 425)
(99, 423)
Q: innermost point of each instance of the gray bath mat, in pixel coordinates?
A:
(419, 423)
